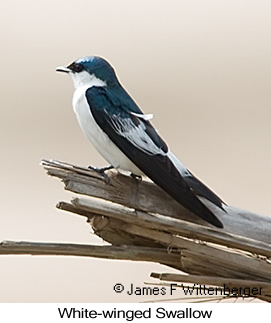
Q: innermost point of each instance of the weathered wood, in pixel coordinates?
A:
(207, 259)
(164, 223)
(146, 196)
(208, 256)
(196, 258)
(144, 224)
(108, 228)
(81, 250)
(139, 213)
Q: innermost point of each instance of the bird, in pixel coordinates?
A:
(125, 137)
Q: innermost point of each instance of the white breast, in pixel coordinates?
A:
(110, 152)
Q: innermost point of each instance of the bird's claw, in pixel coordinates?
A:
(102, 172)
(136, 177)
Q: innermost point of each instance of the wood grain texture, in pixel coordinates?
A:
(146, 196)
(143, 223)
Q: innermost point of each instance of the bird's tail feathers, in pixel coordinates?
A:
(195, 184)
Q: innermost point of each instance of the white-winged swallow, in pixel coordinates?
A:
(124, 136)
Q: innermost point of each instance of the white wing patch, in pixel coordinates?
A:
(136, 134)
(181, 168)
(143, 116)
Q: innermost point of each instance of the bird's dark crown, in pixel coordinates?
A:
(97, 66)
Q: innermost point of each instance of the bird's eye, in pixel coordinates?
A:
(76, 67)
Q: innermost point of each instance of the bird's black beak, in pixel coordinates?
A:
(63, 69)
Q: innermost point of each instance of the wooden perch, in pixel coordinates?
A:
(143, 223)
(81, 250)
(148, 197)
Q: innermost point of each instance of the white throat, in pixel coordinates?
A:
(85, 79)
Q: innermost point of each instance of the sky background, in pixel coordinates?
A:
(203, 69)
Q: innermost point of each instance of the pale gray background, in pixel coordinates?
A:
(202, 68)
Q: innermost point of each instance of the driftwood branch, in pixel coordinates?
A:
(81, 250)
(148, 197)
(143, 223)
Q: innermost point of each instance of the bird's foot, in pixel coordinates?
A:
(102, 171)
(136, 177)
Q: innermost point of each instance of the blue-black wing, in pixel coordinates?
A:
(138, 140)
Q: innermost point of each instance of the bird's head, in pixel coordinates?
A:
(91, 70)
